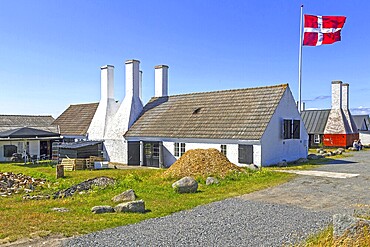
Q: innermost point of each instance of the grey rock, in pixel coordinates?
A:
(322, 152)
(126, 196)
(319, 150)
(133, 207)
(253, 167)
(84, 186)
(302, 160)
(61, 210)
(185, 185)
(341, 149)
(346, 224)
(102, 209)
(36, 197)
(337, 152)
(282, 164)
(312, 157)
(212, 180)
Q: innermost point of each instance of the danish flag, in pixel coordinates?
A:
(322, 30)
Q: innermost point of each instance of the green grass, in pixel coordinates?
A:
(28, 218)
(325, 239)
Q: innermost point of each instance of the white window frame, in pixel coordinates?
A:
(316, 138)
(223, 149)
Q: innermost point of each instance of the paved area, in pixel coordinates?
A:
(326, 193)
(321, 174)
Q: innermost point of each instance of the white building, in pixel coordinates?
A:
(254, 125)
(27, 135)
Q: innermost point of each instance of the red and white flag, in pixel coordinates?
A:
(322, 30)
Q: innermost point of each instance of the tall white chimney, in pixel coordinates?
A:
(107, 105)
(345, 106)
(161, 80)
(345, 96)
(132, 78)
(107, 82)
(336, 95)
(141, 85)
(127, 113)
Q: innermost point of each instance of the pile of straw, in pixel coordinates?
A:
(201, 163)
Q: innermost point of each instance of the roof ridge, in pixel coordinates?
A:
(92, 103)
(20, 115)
(284, 85)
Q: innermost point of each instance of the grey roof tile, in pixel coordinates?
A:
(231, 114)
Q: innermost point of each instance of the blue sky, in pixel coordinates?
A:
(51, 51)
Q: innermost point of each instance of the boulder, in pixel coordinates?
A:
(322, 152)
(312, 157)
(102, 209)
(346, 224)
(253, 167)
(302, 160)
(319, 150)
(185, 185)
(212, 180)
(282, 164)
(352, 149)
(341, 149)
(61, 210)
(133, 207)
(337, 152)
(126, 196)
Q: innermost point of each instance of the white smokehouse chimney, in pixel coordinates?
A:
(345, 96)
(132, 78)
(107, 105)
(336, 95)
(141, 85)
(107, 82)
(161, 80)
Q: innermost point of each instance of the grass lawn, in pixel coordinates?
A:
(29, 218)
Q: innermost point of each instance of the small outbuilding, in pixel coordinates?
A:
(79, 150)
(25, 135)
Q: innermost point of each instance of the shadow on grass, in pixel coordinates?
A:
(36, 165)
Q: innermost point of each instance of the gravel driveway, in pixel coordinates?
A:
(273, 217)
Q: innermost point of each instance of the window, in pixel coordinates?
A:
(296, 129)
(223, 149)
(245, 154)
(292, 129)
(9, 150)
(182, 148)
(179, 149)
(316, 138)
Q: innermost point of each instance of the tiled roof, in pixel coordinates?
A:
(26, 132)
(361, 121)
(231, 114)
(76, 119)
(10, 122)
(315, 120)
(76, 145)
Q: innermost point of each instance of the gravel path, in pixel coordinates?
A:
(277, 216)
(232, 222)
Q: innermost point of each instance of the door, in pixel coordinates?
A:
(245, 154)
(151, 154)
(133, 153)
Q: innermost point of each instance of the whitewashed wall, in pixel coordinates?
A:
(115, 150)
(274, 147)
(231, 150)
(365, 137)
(34, 148)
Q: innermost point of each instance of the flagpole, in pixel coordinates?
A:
(300, 63)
